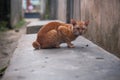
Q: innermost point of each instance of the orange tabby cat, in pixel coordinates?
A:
(53, 34)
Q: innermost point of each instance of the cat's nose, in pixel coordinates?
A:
(80, 33)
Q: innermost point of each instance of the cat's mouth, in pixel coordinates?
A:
(80, 33)
(77, 33)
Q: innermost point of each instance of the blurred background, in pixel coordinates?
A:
(104, 17)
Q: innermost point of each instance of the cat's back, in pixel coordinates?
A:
(50, 26)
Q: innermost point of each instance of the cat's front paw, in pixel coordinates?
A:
(57, 46)
(71, 46)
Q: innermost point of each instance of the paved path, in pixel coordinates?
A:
(80, 63)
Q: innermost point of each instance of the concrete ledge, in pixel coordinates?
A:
(81, 63)
(34, 27)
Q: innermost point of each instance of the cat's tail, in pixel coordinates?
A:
(36, 45)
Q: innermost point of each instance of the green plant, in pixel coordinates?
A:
(2, 70)
(46, 16)
(20, 24)
(3, 26)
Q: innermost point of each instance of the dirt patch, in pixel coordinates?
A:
(8, 43)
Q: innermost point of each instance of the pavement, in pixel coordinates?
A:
(86, 61)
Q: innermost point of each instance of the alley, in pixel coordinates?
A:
(85, 61)
(96, 55)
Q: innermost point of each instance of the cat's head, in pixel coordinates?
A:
(79, 27)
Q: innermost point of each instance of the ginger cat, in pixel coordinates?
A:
(53, 34)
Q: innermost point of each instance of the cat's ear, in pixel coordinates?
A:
(72, 21)
(87, 22)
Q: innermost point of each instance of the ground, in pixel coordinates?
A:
(62, 64)
(8, 43)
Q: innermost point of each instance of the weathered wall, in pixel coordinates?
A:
(16, 11)
(42, 8)
(104, 28)
(77, 10)
(62, 10)
(5, 12)
(53, 9)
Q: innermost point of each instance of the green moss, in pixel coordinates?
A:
(3, 26)
(2, 70)
(20, 24)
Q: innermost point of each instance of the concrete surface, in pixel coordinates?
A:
(34, 27)
(81, 63)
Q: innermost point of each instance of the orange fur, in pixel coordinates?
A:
(53, 34)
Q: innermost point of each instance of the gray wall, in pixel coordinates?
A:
(62, 7)
(104, 28)
(77, 10)
(53, 9)
(16, 11)
(42, 7)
